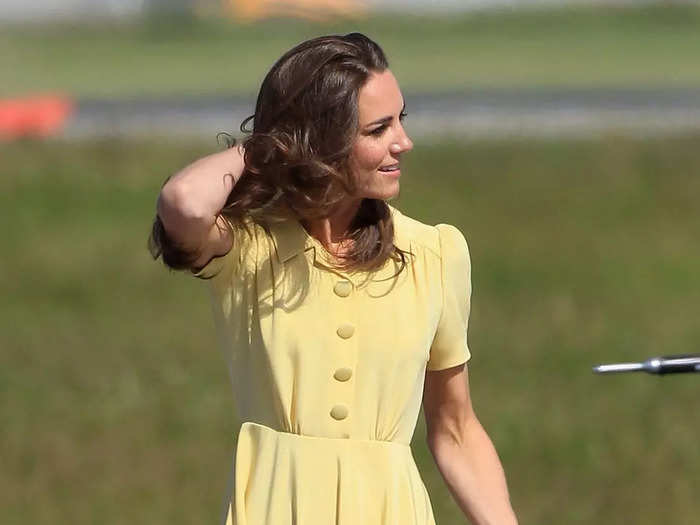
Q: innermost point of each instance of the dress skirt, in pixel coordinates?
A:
(282, 478)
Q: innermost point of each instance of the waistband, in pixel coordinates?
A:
(306, 440)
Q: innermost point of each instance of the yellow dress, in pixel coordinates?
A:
(328, 367)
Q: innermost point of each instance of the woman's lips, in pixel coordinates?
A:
(391, 171)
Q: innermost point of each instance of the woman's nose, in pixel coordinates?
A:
(401, 143)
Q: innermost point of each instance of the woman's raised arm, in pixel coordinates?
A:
(190, 202)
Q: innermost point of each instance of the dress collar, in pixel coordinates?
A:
(291, 238)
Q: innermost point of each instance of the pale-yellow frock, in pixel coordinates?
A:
(328, 369)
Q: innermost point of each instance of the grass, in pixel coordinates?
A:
(650, 46)
(115, 404)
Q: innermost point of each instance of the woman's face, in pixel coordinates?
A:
(376, 153)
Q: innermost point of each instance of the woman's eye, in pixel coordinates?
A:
(378, 131)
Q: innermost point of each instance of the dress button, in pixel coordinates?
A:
(342, 288)
(343, 374)
(339, 412)
(345, 330)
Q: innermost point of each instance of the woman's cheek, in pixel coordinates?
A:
(373, 156)
(368, 154)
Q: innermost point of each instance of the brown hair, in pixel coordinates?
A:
(298, 151)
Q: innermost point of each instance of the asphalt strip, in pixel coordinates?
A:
(459, 115)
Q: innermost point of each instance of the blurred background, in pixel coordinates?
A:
(562, 138)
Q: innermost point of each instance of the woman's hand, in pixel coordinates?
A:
(190, 203)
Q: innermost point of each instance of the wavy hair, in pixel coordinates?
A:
(297, 154)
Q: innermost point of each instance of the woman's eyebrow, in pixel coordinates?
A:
(384, 120)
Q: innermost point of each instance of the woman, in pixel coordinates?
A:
(338, 314)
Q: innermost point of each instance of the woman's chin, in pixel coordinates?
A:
(392, 194)
(383, 192)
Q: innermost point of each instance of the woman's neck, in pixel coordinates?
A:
(333, 230)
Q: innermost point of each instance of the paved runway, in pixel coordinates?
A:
(465, 115)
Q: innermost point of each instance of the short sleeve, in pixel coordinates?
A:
(224, 264)
(449, 347)
(214, 267)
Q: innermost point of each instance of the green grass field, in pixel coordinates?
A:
(115, 401)
(653, 46)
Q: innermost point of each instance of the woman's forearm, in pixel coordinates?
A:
(200, 190)
(472, 471)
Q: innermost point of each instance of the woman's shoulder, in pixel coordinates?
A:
(415, 232)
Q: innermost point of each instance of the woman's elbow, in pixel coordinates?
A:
(175, 203)
(452, 434)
